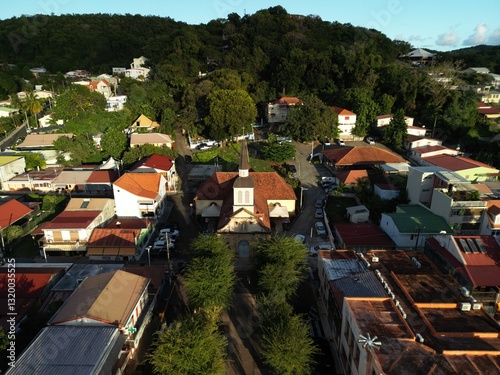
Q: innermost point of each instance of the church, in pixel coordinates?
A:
(244, 206)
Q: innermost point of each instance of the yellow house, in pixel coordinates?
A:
(143, 123)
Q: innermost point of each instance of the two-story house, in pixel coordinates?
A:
(10, 166)
(140, 194)
(278, 110)
(346, 121)
(158, 164)
(490, 222)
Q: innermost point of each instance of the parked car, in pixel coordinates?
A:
(162, 244)
(370, 140)
(313, 251)
(319, 203)
(203, 146)
(340, 142)
(327, 179)
(318, 213)
(320, 228)
(300, 238)
(170, 231)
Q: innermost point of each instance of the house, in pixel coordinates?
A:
(415, 141)
(8, 112)
(418, 154)
(158, 164)
(422, 322)
(33, 285)
(137, 69)
(474, 261)
(410, 225)
(495, 80)
(346, 121)
(278, 110)
(490, 222)
(419, 56)
(54, 348)
(41, 141)
(245, 205)
(476, 70)
(358, 157)
(361, 237)
(14, 212)
(384, 120)
(72, 181)
(113, 243)
(46, 121)
(471, 169)
(351, 177)
(10, 166)
(487, 111)
(101, 181)
(154, 139)
(358, 214)
(69, 232)
(34, 180)
(489, 96)
(386, 192)
(102, 87)
(140, 194)
(142, 123)
(116, 103)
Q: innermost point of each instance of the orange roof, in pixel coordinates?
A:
(361, 155)
(288, 100)
(12, 211)
(113, 237)
(268, 186)
(145, 185)
(103, 176)
(155, 161)
(352, 177)
(342, 111)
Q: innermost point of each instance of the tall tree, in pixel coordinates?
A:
(114, 143)
(395, 133)
(190, 347)
(231, 112)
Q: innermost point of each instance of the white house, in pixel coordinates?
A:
(386, 191)
(358, 214)
(384, 120)
(278, 110)
(346, 121)
(139, 194)
(11, 166)
(8, 112)
(47, 121)
(116, 103)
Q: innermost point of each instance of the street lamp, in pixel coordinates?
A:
(301, 195)
(417, 230)
(148, 248)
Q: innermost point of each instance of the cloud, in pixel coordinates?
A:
(494, 38)
(478, 37)
(447, 39)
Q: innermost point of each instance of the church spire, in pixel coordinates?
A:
(244, 165)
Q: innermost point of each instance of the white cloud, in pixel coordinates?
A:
(478, 37)
(447, 39)
(494, 38)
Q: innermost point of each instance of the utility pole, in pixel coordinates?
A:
(417, 230)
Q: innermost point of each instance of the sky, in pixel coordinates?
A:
(441, 25)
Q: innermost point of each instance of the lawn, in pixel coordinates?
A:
(336, 208)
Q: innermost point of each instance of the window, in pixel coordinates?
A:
(247, 196)
(243, 249)
(240, 197)
(347, 118)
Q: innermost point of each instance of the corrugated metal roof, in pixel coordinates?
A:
(68, 350)
(339, 268)
(360, 285)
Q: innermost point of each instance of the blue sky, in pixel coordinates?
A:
(441, 25)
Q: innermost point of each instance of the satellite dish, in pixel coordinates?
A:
(369, 342)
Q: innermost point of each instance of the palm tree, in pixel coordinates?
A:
(33, 105)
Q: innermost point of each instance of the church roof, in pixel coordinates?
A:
(244, 165)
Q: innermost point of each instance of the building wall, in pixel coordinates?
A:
(441, 204)
(419, 186)
(386, 194)
(11, 169)
(203, 204)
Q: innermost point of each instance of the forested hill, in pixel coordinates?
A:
(478, 56)
(253, 43)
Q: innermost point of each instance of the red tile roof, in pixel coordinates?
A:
(290, 100)
(103, 176)
(351, 177)
(12, 211)
(72, 220)
(155, 161)
(455, 163)
(426, 149)
(113, 237)
(342, 111)
(145, 185)
(361, 155)
(268, 186)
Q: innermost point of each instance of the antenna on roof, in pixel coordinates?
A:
(369, 342)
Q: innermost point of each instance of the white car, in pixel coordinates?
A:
(370, 140)
(161, 244)
(320, 228)
(300, 238)
(170, 232)
(313, 251)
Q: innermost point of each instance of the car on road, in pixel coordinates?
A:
(170, 231)
(313, 250)
(370, 140)
(319, 203)
(320, 228)
(318, 213)
(340, 142)
(300, 238)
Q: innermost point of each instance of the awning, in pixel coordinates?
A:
(278, 211)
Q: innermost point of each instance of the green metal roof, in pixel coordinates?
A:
(8, 159)
(7, 109)
(412, 217)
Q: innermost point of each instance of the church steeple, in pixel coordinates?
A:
(243, 187)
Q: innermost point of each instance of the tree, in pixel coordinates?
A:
(230, 112)
(34, 160)
(287, 346)
(366, 109)
(210, 276)
(278, 152)
(190, 347)
(81, 149)
(312, 120)
(76, 101)
(135, 154)
(114, 142)
(33, 105)
(12, 232)
(395, 133)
